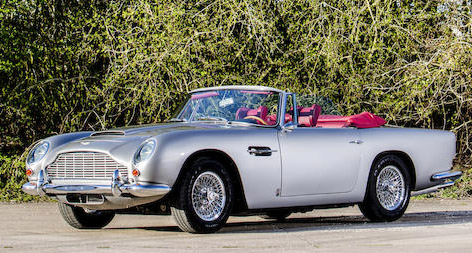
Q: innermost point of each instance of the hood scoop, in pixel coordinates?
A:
(108, 132)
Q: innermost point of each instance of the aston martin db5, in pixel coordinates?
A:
(241, 150)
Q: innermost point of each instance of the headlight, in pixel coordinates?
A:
(145, 151)
(38, 152)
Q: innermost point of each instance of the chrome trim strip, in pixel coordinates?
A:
(452, 175)
(238, 87)
(295, 109)
(281, 119)
(133, 189)
(356, 142)
(116, 188)
(433, 189)
(108, 132)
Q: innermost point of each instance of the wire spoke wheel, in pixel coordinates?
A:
(390, 188)
(204, 199)
(208, 196)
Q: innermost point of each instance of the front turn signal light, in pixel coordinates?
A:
(135, 172)
(29, 172)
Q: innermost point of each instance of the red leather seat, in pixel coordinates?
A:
(241, 113)
(271, 119)
(260, 112)
(308, 117)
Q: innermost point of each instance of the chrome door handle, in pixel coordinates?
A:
(260, 151)
(356, 142)
(255, 151)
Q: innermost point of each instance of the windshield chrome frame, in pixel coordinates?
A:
(280, 103)
(239, 87)
(281, 118)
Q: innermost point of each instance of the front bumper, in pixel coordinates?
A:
(445, 179)
(42, 187)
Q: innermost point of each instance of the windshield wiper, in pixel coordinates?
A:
(212, 119)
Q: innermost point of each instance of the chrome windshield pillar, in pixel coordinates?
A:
(283, 109)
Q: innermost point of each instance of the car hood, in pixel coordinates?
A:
(153, 129)
(121, 143)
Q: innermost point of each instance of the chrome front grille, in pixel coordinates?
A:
(84, 165)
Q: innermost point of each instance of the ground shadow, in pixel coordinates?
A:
(334, 223)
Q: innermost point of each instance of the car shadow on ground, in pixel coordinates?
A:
(333, 223)
(350, 222)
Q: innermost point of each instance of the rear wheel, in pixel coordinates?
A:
(388, 190)
(204, 199)
(80, 218)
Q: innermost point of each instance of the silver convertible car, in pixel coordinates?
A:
(241, 150)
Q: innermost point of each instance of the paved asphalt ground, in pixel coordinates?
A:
(428, 226)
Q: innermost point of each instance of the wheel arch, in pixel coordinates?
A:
(240, 203)
(405, 158)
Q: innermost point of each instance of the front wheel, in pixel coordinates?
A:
(388, 190)
(204, 199)
(80, 218)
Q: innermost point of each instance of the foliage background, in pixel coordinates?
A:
(88, 65)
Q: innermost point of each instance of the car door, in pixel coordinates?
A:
(319, 160)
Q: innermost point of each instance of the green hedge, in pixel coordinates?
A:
(74, 65)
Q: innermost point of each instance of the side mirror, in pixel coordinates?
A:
(288, 127)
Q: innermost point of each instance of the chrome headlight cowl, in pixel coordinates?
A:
(38, 152)
(144, 152)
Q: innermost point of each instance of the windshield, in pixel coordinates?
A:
(230, 106)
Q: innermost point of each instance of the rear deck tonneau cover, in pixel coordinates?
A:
(361, 120)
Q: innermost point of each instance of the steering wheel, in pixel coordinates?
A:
(256, 118)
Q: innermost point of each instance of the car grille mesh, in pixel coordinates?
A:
(84, 165)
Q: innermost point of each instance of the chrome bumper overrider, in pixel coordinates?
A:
(449, 175)
(116, 188)
(447, 179)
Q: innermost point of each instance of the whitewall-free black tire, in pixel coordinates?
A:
(204, 198)
(80, 218)
(388, 190)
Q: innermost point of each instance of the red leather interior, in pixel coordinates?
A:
(361, 120)
(241, 113)
(260, 112)
(271, 119)
(310, 117)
